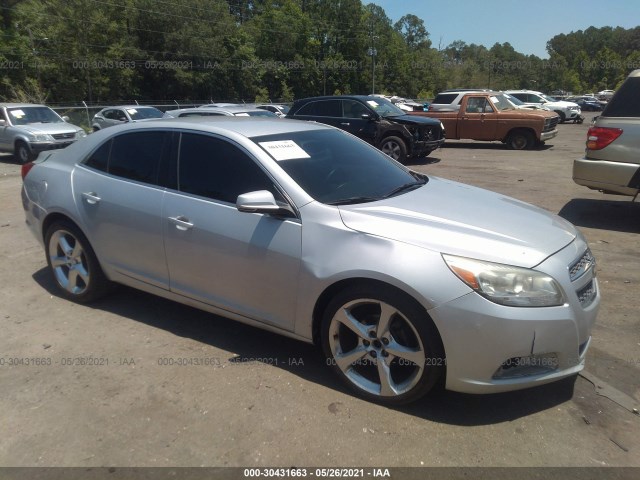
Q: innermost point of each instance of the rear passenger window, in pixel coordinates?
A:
(445, 98)
(136, 156)
(322, 108)
(216, 169)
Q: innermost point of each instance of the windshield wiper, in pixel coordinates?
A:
(351, 200)
(402, 188)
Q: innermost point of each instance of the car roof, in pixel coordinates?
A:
(223, 110)
(364, 98)
(246, 126)
(131, 106)
(15, 105)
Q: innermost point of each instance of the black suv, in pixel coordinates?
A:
(375, 120)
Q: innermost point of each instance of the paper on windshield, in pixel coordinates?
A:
(373, 103)
(284, 150)
(132, 111)
(494, 99)
(17, 113)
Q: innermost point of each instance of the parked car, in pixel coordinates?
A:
(302, 229)
(234, 110)
(27, 129)
(449, 100)
(605, 94)
(279, 109)
(587, 103)
(375, 120)
(110, 116)
(611, 162)
(491, 116)
(567, 111)
(520, 105)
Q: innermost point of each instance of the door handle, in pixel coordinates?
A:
(345, 124)
(91, 197)
(182, 223)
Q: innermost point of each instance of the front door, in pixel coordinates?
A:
(246, 263)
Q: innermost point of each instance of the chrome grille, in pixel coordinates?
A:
(64, 136)
(587, 294)
(550, 123)
(582, 265)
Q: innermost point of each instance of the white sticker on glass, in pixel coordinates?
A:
(284, 150)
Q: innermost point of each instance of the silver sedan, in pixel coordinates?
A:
(402, 279)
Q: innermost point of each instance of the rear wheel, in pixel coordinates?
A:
(520, 140)
(73, 264)
(395, 148)
(23, 153)
(382, 345)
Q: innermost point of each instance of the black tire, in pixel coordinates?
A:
(395, 148)
(562, 116)
(409, 332)
(77, 272)
(95, 129)
(23, 153)
(521, 140)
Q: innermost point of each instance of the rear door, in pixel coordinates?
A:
(118, 192)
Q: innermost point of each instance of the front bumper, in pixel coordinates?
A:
(481, 337)
(424, 147)
(572, 114)
(544, 136)
(37, 147)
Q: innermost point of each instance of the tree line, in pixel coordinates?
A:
(107, 51)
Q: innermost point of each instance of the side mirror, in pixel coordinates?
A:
(3, 123)
(122, 119)
(65, 118)
(262, 201)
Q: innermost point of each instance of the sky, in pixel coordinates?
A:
(527, 25)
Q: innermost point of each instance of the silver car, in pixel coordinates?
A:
(27, 129)
(611, 162)
(111, 116)
(299, 228)
(207, 111)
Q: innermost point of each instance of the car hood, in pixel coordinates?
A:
(459, 219)
(562, 103)
(48, 128)
(413, 120)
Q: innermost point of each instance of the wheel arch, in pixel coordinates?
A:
(329, 292)
(530, 130)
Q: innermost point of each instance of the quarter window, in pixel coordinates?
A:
(216, 169)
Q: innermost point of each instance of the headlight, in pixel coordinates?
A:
(507, 285)
(43, 138)
(81, 133)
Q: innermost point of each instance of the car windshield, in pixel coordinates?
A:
(501, 102)
(384, 107)
(548, 98)
(27, 115)
(284, 108)
(337, 169)
(142, 113)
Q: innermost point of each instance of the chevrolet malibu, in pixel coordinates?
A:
(402, 279)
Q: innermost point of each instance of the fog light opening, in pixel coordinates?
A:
(527, 366)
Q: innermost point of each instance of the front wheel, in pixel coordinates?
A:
(73, 264)
(520, 140)
(23, 153)
(382, 345)
(395, 148)
(562, 116)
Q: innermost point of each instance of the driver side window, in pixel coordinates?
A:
(216, 169)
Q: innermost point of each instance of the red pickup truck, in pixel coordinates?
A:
(491, 116)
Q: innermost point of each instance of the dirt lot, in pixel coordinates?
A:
(99, 388)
